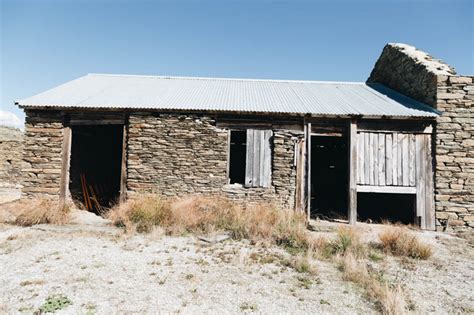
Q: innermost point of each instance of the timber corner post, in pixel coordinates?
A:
(65, 161)
(352, 198)
(123, 170)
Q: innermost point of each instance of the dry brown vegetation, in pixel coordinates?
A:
(400, 242)
(198, 214)
(40, 211)
(263, 224)
(389, 299)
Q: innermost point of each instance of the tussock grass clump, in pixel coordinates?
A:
(41, 211)
(399, 242)
(347, 241)
(264, 223)
(390, 300)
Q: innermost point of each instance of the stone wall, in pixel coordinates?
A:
(41, 169)
(173, 154)
(11, 146)
(410, 72)
(420, 76)
(454, 177)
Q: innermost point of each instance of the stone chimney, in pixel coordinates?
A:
(416, 74)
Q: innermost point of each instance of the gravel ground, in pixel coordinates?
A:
(107, 273)
(103, 271)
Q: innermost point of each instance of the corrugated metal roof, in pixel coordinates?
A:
(229, 95)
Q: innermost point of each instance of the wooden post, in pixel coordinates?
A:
(308, 172)
(123, 172)
(352, 200)
(65, 161)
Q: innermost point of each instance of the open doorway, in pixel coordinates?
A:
(329, 177)
(96, 159)
(380, 207)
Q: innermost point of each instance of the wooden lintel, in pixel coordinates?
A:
(79, 122)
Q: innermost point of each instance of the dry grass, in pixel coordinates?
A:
(347, 241)
(41, 211)
(400, 242)
(263, 223)
(390, 300)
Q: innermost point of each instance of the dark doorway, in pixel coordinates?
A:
(96, 158)
(386, 207)
(329, 177)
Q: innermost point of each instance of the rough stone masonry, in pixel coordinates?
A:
(11, 146)
(178, 154)
(420, 76)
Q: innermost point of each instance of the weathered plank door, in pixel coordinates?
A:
(258, 158)
(396, 162)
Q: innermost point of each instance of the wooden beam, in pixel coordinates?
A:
(123, 172)
(65, 162)
(352, 206)
(85, 122)
(308, 170)
(386, 189)
(420, 181)
(430, 220)
(228, 155)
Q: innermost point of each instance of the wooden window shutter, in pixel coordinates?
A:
(258, 159)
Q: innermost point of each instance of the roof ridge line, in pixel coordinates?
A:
(223, 79)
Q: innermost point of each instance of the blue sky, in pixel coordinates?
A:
(46, 43)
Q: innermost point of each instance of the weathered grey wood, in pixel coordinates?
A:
(261, 158)
(420, 180)
(267, 159)
(360, 158)
(405, 160)
(80, 122)
(411, 163)
(390, 126)
(228, 155)
(388, 159)
(123, 170)
(308, 170)
(367, 158)
(352, 211)
(249, 159)
(430, 221)
(400, 159)
(328, 134)
(375, 153)
(321, 127)
(386, 189)
(371, 159)
(65, 163)
(381, 159)
(300, 176)
(257, 138)
(395, 159)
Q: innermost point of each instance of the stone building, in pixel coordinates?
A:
(398, 146)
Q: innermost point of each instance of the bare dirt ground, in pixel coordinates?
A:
(102, 271)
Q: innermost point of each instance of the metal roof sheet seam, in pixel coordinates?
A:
(229, 95)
